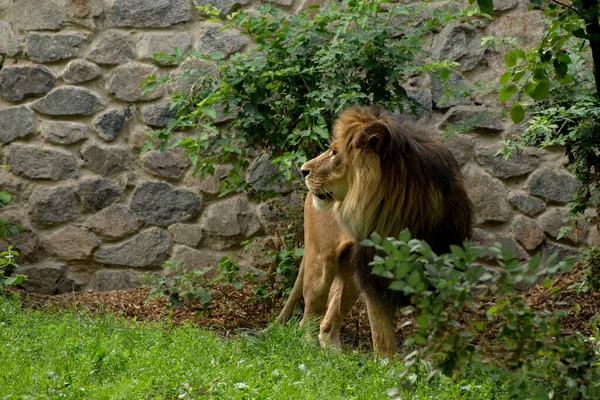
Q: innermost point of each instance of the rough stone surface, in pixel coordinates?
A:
(461, 147)
(188, 234)
(111, 122)
(19, 83)
(58, 132)
(184, 76)
(41, 163)
(114, 222)
(43, 277)
(516, 165)
(106, 280)
(264, 176)
(73, 281)
(549, 249)
(554, 219)
(227, 41)
(147, 249)
(481, 238)
(98, 193)
(157, 115)
(16, 122)
(71, 243)
(458, 42)
(33, 15)
(79, 71)
(170, 163)
(527, 205)
(52, 206)
(274, 213)
(154, 43)
(125, 80)
(226, 6)
(229, 221)
(423, 103)
(503, 5)
(112, 47)
(50, 47)
(84, 12)
(9, 44)
(197, 259)
(552, 184)
(489, 197)
(476, 119)
(69, 100)
(527, 232)
(209, 184)
(159, 203)
(144, 14)
(26, 241)
(105, 160)
(450, 93)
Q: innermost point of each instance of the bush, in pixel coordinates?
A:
(7, 257)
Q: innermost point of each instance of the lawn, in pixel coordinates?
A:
(72, 355)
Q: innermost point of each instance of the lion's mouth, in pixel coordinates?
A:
(324, 196)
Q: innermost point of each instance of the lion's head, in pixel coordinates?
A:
(384, 174)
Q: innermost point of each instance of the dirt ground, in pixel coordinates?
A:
(232, 311)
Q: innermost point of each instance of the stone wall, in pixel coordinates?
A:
(96, 214)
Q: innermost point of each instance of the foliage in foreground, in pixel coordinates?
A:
(7, 257)
(282, 95)
(448, 293)
(78, 356)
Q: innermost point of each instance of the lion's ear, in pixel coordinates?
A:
(374, 136)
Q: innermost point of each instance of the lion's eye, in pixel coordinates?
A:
(333, 153)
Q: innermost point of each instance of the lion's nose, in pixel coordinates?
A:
(305, 172)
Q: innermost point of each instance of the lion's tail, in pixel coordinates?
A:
(295, 296)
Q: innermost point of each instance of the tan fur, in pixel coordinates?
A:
(325, 279)
(382, 174)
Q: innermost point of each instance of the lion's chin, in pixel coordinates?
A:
(321, 201)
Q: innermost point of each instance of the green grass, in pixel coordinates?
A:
(76, 355)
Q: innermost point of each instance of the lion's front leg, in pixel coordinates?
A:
(381, 319)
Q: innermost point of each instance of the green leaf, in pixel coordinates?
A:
(507, 92)
(510, 60)
(486, 6)
(5, 197)
(517, 113)
(445, 74)
(580, 33)
(541, 90)
(414, 278)
(217, 55)
(505, 78)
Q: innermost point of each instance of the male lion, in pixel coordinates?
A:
(325, 273)
(382, 174)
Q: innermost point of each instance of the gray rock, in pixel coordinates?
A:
(25, 241)
(504, 5)
(107, 280)
(489, 197)
(227, 41)
(69, 100)
(144, 14)
(79, 71)
(263, 176)
(50, 47)
(285, 3)
(197, 259)
(451, 93)
(210, 184)
(114, 222)
(171, 163)
(71, 243)
(105, 160)
(228, 6)
(152, 43)
(110, 123)
(527, 232)
(9, 44)
(160, 204)
(16, 122)
(562, 252)
(553, 221)
(423, 103)
(64, 132)
(84, 12)
(124, 82)
(112, 48)
(35, 162)
(52, 206)
(183, 78)
(147, 249)
(98, 193)
(33, 15)
(461, 147)
(476, 119)
(229, 221)
(42, 277)
(552, 184)
(516, 165)
(188, 234)
(73, 281)
(481, 238)
(19, 83)
(157, 115)
(527, 205)
(275, 213)
(458, 42)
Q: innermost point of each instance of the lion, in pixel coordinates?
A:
(325, 278)
(383, 174)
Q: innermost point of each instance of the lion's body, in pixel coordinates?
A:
(383, 174)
